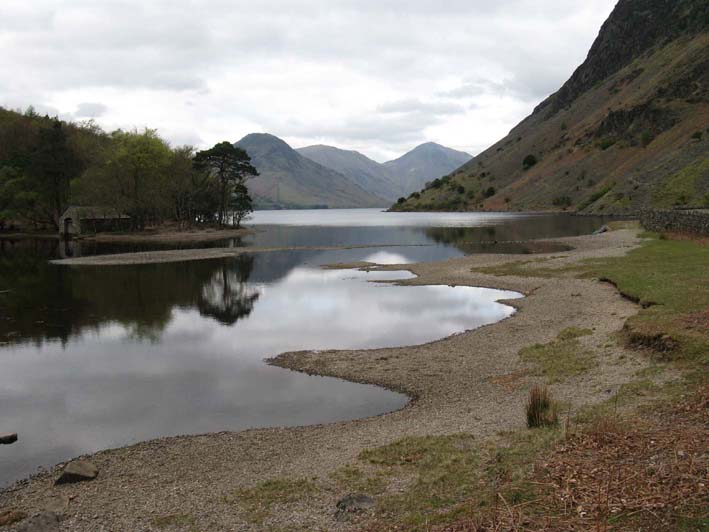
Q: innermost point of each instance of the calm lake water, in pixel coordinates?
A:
(98, 357)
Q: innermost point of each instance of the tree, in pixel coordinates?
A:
(231, 166)
(133, 177)
(54, 164)
(241, 203)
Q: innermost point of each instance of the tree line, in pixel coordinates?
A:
(47, 164)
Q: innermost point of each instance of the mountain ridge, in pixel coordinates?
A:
(391, 179)
(289, 180)
(627, 131)
(367, 173)
(426, 162)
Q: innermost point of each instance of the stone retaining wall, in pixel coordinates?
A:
(695, 221)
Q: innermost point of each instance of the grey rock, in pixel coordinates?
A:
(602, 229)
(77, 471)
(40, 522)
(7, 439)
(353, 504)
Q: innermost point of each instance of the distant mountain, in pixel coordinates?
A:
(627, 131)
(368, 174)
(423, 164)
(392, 179)
(289, 180)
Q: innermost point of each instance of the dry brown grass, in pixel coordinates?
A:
(646, 473)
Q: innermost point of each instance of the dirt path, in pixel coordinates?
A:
(473, 382)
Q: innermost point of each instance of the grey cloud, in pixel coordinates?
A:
(416, 106)
(90, 110)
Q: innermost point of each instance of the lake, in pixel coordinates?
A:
(98, 357)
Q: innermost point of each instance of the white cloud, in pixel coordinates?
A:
(375, 75)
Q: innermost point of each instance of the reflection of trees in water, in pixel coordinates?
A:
(39, 301)
(487, 239)
(227, 297)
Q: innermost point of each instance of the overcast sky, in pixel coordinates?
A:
(377, 76)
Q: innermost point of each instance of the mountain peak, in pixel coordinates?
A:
(288, 179)
(263, 138)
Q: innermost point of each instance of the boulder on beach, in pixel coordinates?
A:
(77, 471)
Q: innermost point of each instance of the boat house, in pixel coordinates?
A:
(77, 221)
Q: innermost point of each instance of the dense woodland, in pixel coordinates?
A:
(47, 165)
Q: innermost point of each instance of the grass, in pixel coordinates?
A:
(356, 480)
(672, 274)
(441, 471)
(682, 188)
(562, 357)
(258, 500)
(524, 268)
(593, 198)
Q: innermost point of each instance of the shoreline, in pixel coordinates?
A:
(192, 254)
(445, 378)
(162, 235)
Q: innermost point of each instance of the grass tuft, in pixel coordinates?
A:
(541, 409)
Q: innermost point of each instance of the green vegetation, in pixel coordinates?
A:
(523, 268)
(593, 198)
(47, 164)
(355, 479)
(606, 142)
(232, 167)
(673, 274)
(562, 201)
(529, 161)
(444, 470)
(257, 501)
(561, 358)
(646, 137)
(682, 187)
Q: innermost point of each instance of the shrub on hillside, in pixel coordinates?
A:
(529, 161)
(562, 201)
